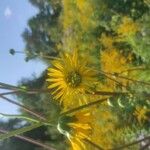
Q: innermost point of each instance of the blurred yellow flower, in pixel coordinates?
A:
(141, 113)
(107, 41)
(128, 27)
(70, 78)
(113, 62)
(103, 127)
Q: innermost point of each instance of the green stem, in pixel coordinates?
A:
(134, 69)
(24, 108)
(118, 76)
(105, 93)
(107, 76)
(133, 80)
(27, 139)
(17, 89)
(84, 106)
(93, 144)
(37, 55)
(19, 117)
(25, 118)
(20, 131)
(12, 87)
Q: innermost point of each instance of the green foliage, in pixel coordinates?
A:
(49, 32)
(41, 36)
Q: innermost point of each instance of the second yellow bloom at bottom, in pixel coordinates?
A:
(76, 128)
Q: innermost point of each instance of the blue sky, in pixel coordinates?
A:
(14, 15)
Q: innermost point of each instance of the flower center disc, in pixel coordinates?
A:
(74, 79)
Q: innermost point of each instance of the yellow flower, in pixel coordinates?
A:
(70, 79)
(107, 41)
(97, 125)
(103, 127)
(141, 113)
(76, 128)
(81, 4)
(113, 62)
(127, 28)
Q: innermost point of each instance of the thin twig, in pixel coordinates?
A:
(119, 83)
(93, 144)
(19, 117)
(84, 106)
(133, 80)
(24, 108)
(130, 144)
(126, 78)
(24, 138)
(17, 89)
(105, 93)
(134, 69)
(20, 131)
(30, 92)
(145, 146)
(9, 93)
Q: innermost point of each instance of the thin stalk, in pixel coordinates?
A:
(145, 146)
(20, 89)
(105, 93)
(37, 55)
(126, 78)
(20, 131)
(47, 57)
(8, 86)
(131, 144)
(134, 69)
(25, 118)
(35, 142)
(84, 106)
(94, 93)
(103, 73)
(133, 80)
(19, 117)
(93, 144)
(24, 108)
(27, 139)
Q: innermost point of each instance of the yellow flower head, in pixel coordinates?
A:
(70, 78)
(76, 128)
(94, 124)
(127, 28)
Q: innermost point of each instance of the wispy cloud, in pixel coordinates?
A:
(7, 12)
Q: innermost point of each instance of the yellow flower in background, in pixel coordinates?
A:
(96, 125)
(81, 4)
(76, 128)
(141, 113)
(107, 41)
(103, 127)
(113, 62)
(127, 28)
(70, 79)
